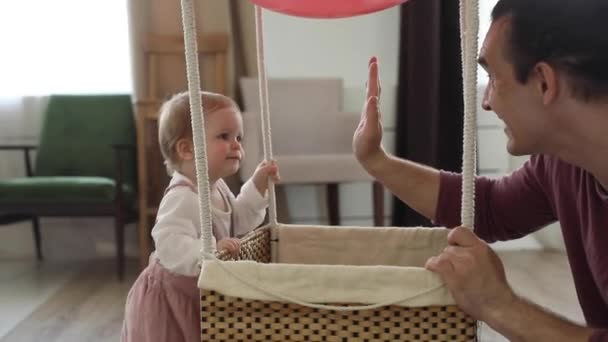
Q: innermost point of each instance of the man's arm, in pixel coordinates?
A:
(476, 279)
(526, 321)
(438, 195)
(414, 184)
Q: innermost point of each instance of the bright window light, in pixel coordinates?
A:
(64, 46)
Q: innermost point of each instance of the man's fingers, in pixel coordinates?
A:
(373, 81)
(431, 264)
(462, 236)
(441, 265)
(372, 92)
(372, 112)
(456, 251)
(461, 258)
(374, 59)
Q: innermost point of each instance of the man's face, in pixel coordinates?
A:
(514, 103)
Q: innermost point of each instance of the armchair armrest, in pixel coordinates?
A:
(18, 147)
(26, 155)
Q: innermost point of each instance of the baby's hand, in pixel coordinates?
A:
(233, 246)
(261, 174)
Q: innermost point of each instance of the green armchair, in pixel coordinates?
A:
(85, 166)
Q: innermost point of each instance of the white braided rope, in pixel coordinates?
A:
(198, 127)
(469, 27)
(265, 110)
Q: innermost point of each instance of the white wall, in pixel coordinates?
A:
(338, 48)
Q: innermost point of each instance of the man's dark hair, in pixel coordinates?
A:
(570, 35)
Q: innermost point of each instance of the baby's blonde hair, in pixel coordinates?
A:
(175, 122)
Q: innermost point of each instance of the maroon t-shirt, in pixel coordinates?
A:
(544, 190)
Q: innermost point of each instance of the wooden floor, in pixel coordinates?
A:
(70, 303)
(544, 278)
(88, 307)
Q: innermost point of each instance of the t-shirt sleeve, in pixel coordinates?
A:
(505, 208)
(600, 335)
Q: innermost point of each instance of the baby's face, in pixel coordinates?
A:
(224, 131)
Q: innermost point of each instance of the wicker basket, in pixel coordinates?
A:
(230, 318)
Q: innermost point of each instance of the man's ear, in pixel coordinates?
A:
(185, 149)
(547, 82)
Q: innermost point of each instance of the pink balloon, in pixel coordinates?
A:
(326, 8)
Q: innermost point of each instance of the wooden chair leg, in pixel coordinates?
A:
(283, 214)
(378, 191)
(333, 204)
(119, 227)
(37, 238)
(143, 231)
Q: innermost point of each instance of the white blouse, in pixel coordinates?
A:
(177, 230)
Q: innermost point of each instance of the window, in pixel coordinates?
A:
(485, 17)
(64, 46)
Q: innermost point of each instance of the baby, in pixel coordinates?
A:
(163, 304)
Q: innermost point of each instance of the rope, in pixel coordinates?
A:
(198, 127)
(469, 27)
(292, 300)
(265, 111)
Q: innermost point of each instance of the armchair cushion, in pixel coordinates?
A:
(311, 135)
(62, 189)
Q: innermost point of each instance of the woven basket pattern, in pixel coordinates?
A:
(225, 318)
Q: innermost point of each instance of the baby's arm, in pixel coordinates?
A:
(248, 208)
(176, 232)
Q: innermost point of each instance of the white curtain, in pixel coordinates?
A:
(59, 46)
(51, 47)
(64, 46)
(20, 119)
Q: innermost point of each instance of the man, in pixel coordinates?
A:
(547, 62)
